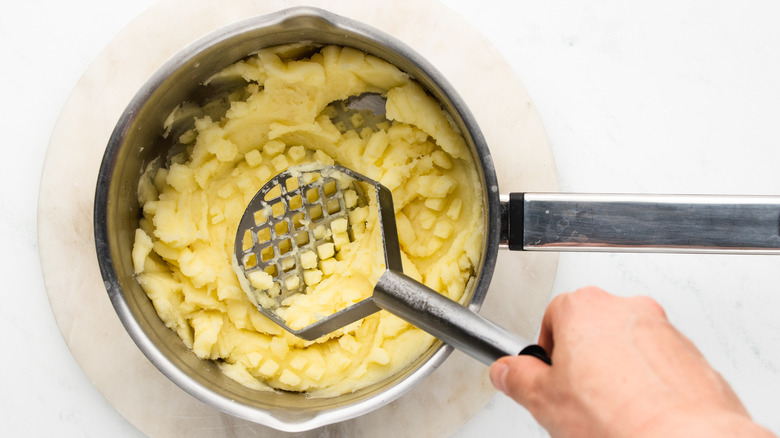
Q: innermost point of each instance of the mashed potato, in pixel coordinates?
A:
(192, 205)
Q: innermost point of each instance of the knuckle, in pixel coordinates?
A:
(649, 304)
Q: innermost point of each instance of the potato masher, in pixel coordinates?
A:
(279, 225)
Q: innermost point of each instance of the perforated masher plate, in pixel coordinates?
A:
(294, 213)
(290, 214)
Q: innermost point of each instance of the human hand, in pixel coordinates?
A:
(620, 369)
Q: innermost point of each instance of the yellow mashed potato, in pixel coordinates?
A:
(192, 206)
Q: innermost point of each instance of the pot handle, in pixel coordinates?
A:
(641, 223)
(448, 320)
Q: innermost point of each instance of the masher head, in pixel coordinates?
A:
(284, 226)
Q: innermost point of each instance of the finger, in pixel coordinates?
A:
(560, 310)
(546, 338)
(649, 304)
(521, 378)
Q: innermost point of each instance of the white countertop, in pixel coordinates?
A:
(643, 97)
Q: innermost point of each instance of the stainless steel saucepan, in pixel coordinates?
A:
(529, 221)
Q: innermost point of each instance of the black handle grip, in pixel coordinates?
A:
(515, 219)
(537, 352)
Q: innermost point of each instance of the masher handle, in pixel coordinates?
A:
(448, 320)
(642, 223)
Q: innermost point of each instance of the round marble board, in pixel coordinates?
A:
(520, 288)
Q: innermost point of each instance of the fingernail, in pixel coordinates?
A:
(498, 375)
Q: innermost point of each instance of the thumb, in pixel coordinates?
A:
(519, 377)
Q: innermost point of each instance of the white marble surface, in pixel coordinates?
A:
(665, 96)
